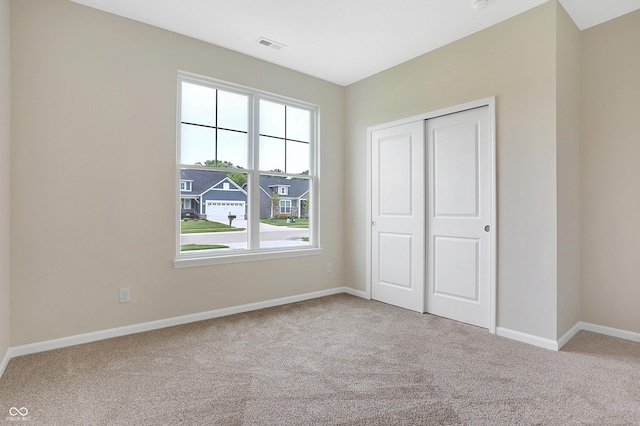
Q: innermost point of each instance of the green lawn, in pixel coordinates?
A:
(190, 226)
(299, 223)
(191, 247)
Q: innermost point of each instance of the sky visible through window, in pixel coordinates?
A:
(215, 127)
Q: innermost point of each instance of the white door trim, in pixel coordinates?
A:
(490, 102)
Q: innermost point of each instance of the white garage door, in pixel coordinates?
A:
(219, 210)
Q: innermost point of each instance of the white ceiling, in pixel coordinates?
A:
(341, 41)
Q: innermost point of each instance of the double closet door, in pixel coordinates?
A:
(432, 185)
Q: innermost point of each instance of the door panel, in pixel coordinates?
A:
(455, 182)
(395, 259)
(459, 185)
(395, 169)
(450, 279)
(397, 213)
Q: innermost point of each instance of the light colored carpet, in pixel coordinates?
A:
(338, 360)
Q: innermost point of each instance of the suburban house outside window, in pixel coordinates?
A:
(235, 145)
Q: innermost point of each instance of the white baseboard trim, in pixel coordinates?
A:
(527, 338)
(609, 331)
(569, 335)
(169, 322)
(557, 345)
(217, 313)
(357, 293)
(5, 361)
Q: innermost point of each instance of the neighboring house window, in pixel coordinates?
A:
(249, 136)
(187, 204)
(285, 206)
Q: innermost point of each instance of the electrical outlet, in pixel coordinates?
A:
(329, 267)
(124, 295)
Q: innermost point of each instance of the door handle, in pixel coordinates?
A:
(487, 228)
(373, 223)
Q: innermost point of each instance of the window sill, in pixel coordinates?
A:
(195, 261)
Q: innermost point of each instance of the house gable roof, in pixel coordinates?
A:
(232, 186)
(206, 180)
(202, 180)
(297, 187)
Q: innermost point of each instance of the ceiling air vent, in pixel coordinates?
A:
(270, 43)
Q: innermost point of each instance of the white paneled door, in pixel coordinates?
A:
(459, 186)
(432, 202)
(397, 216)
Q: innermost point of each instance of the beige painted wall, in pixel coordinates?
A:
(610, 158)
(5, 188)
(515, 61)
(568, 170)
(94, 111)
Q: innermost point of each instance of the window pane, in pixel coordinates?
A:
(218, 219)
(233, 111)
(285, 207)
(298, 124)
(197, 144)
(232, 147)
(297, 157)
(271, 119)
(271, 154)
(288, 215)
(198, 104)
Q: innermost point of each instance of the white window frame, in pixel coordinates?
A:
(185, 186)
(254, 252)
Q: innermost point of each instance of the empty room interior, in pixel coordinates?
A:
(299, 315)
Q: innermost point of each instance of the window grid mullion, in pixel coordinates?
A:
(213, 127)
(279, 137)
(215, 155)
(285, 138)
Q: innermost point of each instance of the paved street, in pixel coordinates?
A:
(270, 236)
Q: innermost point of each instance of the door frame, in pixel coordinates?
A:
(489, 102)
